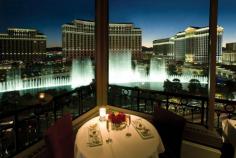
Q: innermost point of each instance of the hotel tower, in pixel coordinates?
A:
(190, 46)
(78, 39)
(27, 45)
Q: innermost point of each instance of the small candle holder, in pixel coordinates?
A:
(102, 114)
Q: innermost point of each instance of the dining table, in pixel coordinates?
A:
(138, 140)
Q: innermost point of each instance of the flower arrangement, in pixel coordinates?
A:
(117, 117)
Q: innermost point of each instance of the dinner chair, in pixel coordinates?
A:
(170, 126)
(59, 138)
(227, 150)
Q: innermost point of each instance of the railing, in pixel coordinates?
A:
(193, 108)
(22, 128)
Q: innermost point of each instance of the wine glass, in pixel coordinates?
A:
(109, 140)
(128, 122)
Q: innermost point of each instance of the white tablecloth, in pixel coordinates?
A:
(121, 146)
(229, 131)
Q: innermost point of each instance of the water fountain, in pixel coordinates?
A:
(82, 73)
(157, 70)
(120, 68)
(121, 72)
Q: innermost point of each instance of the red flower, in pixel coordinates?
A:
(116, 118)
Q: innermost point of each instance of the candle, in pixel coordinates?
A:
(102, 114)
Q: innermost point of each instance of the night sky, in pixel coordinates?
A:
(156, 18)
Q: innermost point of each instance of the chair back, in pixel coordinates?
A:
(227, 150)
(170, 127)
(59, 138)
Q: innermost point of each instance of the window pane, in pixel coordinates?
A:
(173, 37)
(46, 67)
(47, 47)
(225, 70)
(155, 41)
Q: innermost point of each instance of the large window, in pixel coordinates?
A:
(163, 46)
(45, 46)
(225, 70)
(47, 50)
(158, 43)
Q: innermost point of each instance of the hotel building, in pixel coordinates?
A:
(191, 45)
(231, 47)
(226, 73)
(27, 45)
(78, 39)
(164, 48)
(229, 54)
(229, 58)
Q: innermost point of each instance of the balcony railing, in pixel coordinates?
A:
(193, 108)
(22, 128)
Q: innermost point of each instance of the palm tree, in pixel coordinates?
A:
(177, 86)
(167, 85)
(194, 86)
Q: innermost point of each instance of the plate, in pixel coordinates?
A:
(94, 137)
(144, 132)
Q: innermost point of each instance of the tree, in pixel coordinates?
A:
(177, 86)
(194, 86)
(176, 80)
(167, 85)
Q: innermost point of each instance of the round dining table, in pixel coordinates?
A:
(122, 146)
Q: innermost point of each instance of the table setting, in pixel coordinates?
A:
(117, 135)
(95, 137)
(143, 131)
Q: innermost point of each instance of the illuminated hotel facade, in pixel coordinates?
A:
(229, 58)
(164, 48)
(231, 47)
(27, 45)
(78, 39)
(229, 54)
(190, 45)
